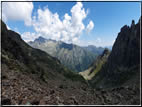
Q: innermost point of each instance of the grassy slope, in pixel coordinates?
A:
(95, 68)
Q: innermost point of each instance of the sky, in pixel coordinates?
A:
(81, 23)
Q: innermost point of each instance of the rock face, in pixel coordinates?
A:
(126, 49)
(72, 56)
(124, 60)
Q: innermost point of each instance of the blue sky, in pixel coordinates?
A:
(107, 19)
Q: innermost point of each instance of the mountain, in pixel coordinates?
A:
(95, 67)
(32, 77)
(72, 56)
(94, 49)
(123, 64)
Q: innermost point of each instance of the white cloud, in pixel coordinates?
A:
(47, 23)
(27, 36)
(90, 26)
(75, 40)
(69, 29)
(78, 14)
(17, 11)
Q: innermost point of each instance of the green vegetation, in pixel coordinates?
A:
(96, 66)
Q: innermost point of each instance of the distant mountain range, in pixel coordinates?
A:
(94, 49)
(74, 57)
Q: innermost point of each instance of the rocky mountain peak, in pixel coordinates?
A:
(40, 39)
(124, 60)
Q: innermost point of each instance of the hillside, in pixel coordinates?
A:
(123, 64)
(72, 56)
(96, 66)
(21, 57)
(27, 72)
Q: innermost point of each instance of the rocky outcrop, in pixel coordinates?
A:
(126, 49)
(124, 60)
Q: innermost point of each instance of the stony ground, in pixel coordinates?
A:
(21, 88)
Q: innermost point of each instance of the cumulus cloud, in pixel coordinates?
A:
(90, 26)
(69, 29)
(17, 11)
(47, 23)
(28, 36)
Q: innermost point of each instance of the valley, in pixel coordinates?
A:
(33, 77)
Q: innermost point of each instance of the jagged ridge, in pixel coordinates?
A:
(123, 63)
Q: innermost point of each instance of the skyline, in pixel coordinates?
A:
(81, 23)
